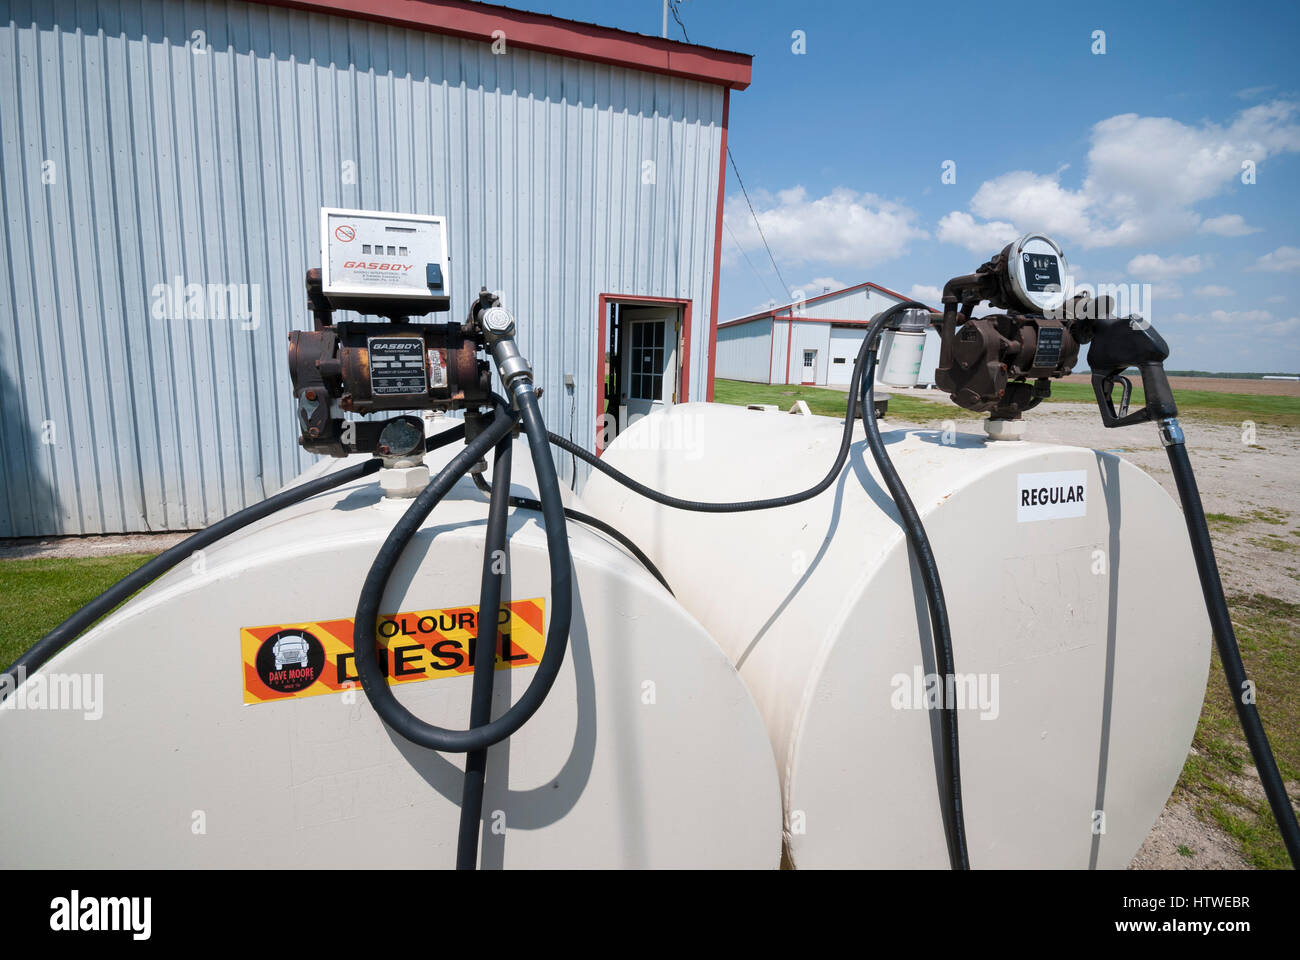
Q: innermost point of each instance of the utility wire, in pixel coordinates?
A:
(766, 288)
(785, 286)
(672, 7)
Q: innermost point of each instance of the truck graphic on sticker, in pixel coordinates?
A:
(290, 649)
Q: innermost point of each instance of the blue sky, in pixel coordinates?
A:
(1132, 159)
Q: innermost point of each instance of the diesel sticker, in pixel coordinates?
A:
(287, 660)
(1051, 496)
(397, 366)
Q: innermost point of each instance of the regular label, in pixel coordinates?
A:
(1051, 496)
(287, 660)
(397, 366)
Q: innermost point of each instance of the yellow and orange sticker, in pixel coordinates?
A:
(288, 660)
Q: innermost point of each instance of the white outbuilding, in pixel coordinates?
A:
(811, 341)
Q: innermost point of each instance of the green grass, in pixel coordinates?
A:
(832, 403)
(1224, 520)
(1204, 404)
(1233, 408)
(38, 594)
(1268, 631)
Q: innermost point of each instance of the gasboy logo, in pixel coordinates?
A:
(375, 265)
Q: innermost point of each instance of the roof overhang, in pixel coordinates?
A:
(542, 32)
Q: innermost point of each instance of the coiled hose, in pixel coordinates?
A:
(54, 641)
(381, 697)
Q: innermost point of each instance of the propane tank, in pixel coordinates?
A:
(230, 735)
(1081, 666)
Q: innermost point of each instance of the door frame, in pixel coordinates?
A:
(683, 346)
(803, 367)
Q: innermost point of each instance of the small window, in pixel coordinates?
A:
(365, 248)
(840, 360)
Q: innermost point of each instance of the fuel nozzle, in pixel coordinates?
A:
(1119, 344)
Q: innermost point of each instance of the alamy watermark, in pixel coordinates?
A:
(53, 691)
(179, 300)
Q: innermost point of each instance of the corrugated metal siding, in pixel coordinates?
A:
(200, 140)
(862, 304)
(810, 336)
(744, 351)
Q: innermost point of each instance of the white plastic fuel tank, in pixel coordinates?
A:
(1080, 641)
(648, 752)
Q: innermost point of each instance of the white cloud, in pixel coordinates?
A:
(982, 239)
(1228, 225)
(1144, 177)
(1152, 266)
(816, 287)
(926, 294)
(1167, 291)
(1214, 290)
(1024, 197)
(1238, 322)
(1283, 259)
(843, 227)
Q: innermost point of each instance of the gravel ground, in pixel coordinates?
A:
(23, 547)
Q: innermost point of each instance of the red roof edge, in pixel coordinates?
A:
(540, 31)
(777, 311)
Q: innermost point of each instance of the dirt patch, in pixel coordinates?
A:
(1261, 388)
(1181, 841)
(23, 547)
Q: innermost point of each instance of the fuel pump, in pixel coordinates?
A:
(986, 364)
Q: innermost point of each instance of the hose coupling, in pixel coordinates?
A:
(510, 362)
(1171, 432)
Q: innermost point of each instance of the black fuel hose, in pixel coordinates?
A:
(955, 821)
(587, 520)
(381, 697)
(744, 506)
(486, 637)
(1225, 639)
(54, 641)
(861, 383)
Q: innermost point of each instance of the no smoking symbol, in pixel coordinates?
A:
(345, 233)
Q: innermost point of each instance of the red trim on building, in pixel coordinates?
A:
(631, 300)
(789, 340)
(771, 348)
(717, 246)
(779, 311)
(539, 31)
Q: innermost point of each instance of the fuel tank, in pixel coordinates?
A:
(1080, 643)
(227, 731)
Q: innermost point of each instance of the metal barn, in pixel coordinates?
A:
(812, 341)
(162, 168)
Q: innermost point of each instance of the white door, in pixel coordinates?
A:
(845, 342)
(809, 367)
(649, 375)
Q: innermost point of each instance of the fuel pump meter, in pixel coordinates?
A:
(987, 363)
(392, 266)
